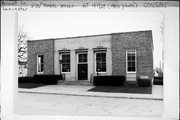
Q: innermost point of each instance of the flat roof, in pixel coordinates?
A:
(90, 35)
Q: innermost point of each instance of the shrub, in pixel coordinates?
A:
(158, 81)
(144, 82)
(26, 80)
(109, 80)
(47, 79)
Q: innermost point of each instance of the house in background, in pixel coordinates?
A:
(22, 68)
(128, 54)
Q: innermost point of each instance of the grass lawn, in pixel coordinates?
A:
(122, 89)
(30, 85)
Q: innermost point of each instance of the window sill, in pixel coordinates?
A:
(130, 72)
(40, 73)
(100, 72)
(65, 72)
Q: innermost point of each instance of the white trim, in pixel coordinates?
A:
(95, 60)
(77, 63)
(60, 57)
(38, 63)
(78, 58)
(128, 51)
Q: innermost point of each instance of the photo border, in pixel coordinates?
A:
(9, 77)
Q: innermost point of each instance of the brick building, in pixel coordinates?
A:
(79, 58)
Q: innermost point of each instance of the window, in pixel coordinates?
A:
(40, 64)
(82, 57)
(131, 61)
(101, 61)
(66, 62)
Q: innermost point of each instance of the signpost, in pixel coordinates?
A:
(60, 62)
(97, 67)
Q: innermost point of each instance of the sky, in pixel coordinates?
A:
(44, 25)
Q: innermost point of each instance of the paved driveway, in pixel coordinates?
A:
(157, 92)
(49, 104)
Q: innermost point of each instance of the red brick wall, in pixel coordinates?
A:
(43, 47)
(140, 41)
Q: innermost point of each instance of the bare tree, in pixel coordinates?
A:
(22, 46)
(162, 33)
(159, 71)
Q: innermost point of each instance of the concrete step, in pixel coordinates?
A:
(131, 83)
(78, 82)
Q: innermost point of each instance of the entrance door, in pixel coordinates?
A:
(82, 72)
(82, 66)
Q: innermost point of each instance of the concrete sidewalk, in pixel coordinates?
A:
(157, 92)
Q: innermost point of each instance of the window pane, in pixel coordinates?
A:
(129, 64)
(131, 61)
(97, 55)
(129, 69)
(132, 64)
(42, 68)
(132, 69)
(40, 63)
(103, 67)
(68, 60)
(133, 57)
(39, 68)
(65, 67)
(85, 58)
(65, 58)
(101, 59)
(82, 58)
(42, 59)
(65, 62)
(129, 58)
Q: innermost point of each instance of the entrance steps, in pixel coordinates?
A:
(131, 83)
(78, 82)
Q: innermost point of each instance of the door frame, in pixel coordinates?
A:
(77, 62)
(131, 74)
